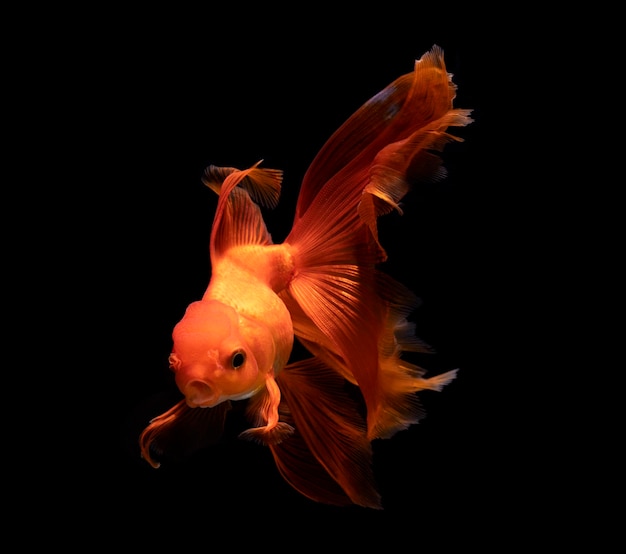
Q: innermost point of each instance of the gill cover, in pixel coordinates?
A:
(218, 355)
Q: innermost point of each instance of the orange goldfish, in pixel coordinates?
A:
(323, 287)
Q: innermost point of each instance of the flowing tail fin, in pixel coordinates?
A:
(328, 458)
(342, 309)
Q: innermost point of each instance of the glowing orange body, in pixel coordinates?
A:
(323, 286)
(241, 314)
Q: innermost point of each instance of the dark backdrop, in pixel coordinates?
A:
(162, 100)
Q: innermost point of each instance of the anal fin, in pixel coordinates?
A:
(330, 432)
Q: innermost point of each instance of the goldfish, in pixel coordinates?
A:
(323, 287)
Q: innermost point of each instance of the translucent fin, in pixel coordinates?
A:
(329, 418)
(350, 317)
(398, 380)
(340, 319)
(182, 430)
(300, 469)
(238, 220)
(410, 103)
(264, 407)
(404, 162)
(262, 184)
(240, 223)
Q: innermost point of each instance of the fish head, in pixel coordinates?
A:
(219, 355)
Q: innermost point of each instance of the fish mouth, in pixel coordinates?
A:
(199, 394)
(206, 404)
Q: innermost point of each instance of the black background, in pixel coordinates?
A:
(156, 101)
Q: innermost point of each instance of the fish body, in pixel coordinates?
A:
(323, 287)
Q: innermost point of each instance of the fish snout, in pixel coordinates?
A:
(199, 394)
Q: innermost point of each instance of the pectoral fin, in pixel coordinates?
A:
(264, 408)
(182, 430)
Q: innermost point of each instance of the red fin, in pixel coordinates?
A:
(262, 184)
(406, 161)
(182, 430)
(329, 421)
(342, 309)
(340, 319)
(359, 327)
(398, 380)
(339, 314)
(410, 103)
(238, 219)
(305, 474)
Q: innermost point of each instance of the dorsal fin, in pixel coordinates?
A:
(238, 219)
(263, 185)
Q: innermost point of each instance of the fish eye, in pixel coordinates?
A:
(238, 359)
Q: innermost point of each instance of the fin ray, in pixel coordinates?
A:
(411, 102)
(238, 219)
(263, 184)
(329, 420)
(182, 430)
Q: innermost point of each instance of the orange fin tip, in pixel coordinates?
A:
(263, 185)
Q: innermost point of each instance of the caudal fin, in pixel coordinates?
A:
(341, 307)
(390, 141)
